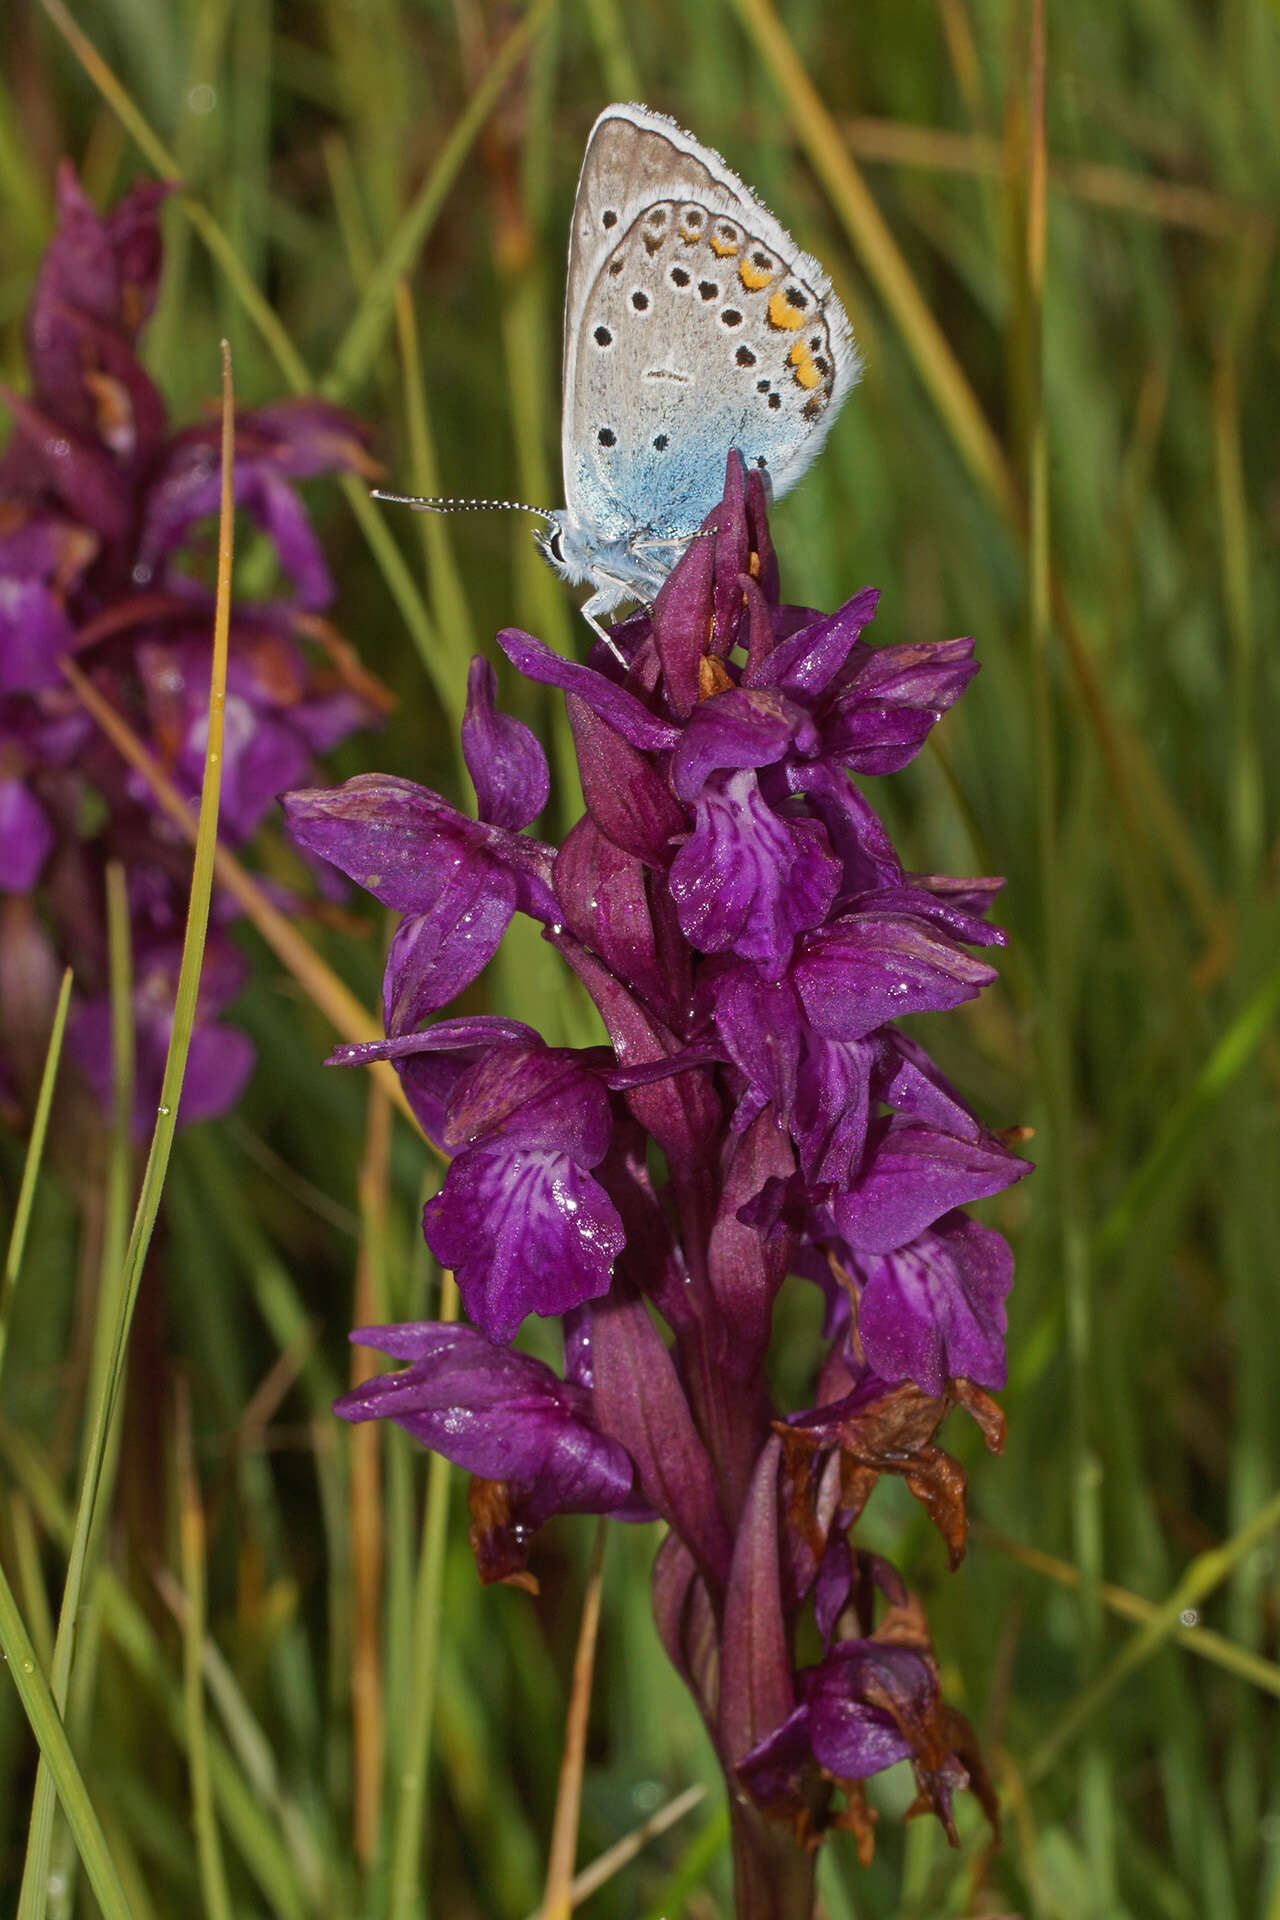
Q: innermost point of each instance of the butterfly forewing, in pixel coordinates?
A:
(693, 325)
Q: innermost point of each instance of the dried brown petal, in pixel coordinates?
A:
(497, 1541)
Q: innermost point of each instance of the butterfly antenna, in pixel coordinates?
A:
(441, 505)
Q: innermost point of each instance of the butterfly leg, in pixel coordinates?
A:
(611, 591)
(676, 545)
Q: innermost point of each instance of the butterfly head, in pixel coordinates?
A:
(627, 568)
(550, 542)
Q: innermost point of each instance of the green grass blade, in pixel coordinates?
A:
(603, 1868)
(256, 1823)
(408, 1844)
(390, 561)
(362, 341)
(104, 1411)
(703, 1850)
(1184, 1125)
(31, 1583)
(450, 611)
(56, 1755)
(1202, 1641)
(31, 1165)
(403, 589)
(829, 155)
(191, 1531)
(608, 30)
(367, 1519)
(1207, 1571)
(166, 164)
(252, 1753)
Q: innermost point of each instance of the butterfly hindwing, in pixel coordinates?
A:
(693, 326)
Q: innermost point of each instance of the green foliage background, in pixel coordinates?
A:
(1115, 758)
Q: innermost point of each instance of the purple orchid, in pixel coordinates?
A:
(733, 906)
(529, 1436)
(104, 518)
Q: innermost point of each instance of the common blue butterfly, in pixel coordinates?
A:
(693, 325)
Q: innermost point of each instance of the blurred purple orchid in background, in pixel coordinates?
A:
(100, 511)
(733, 906)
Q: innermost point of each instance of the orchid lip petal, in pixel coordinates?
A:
(498, 1413)
(524, 1232)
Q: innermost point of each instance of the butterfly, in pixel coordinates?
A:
(693, 325)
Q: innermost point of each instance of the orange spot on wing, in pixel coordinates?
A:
(723, 247)
(806, 374)
(783, 314)
(753, 277)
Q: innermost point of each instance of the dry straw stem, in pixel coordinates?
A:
(1211, 1646)
(318, 981)
(557, 1902)
(1206, 1571)
(253, 1816)
(255, 1760)
(166, 164)
(1173, 203)
(1140, 793)
(624, 1851)
(831, 160)
(360, 344)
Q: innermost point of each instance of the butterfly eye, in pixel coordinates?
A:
(555, 547)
